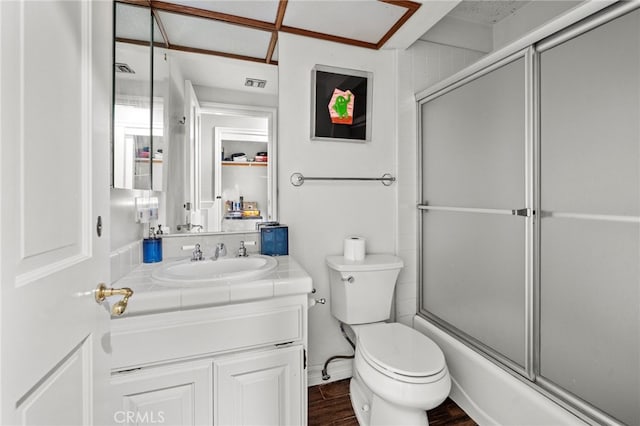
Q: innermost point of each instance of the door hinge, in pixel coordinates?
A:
(304, 358)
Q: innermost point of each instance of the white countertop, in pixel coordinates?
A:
(150, 297)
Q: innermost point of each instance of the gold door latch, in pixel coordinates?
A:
(102, 292)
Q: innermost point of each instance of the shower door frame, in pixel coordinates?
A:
(529, 138)
(529, 47)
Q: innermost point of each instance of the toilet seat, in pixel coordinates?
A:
(401, 353)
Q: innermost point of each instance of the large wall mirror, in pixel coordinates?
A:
(188, 128)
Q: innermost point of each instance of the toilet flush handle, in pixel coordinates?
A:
(348, 279)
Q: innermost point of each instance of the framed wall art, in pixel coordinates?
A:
(341, 104)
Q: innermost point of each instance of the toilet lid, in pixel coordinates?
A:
(401, 350)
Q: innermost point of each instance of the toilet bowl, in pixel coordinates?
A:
(398, 373)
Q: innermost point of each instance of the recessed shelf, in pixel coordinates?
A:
(245, 163)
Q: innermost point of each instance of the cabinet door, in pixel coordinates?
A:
(260, 388)
(175, 395)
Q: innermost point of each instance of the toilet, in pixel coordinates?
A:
(398, 373)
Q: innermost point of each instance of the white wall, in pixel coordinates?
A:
(321, 214)
(420, 66)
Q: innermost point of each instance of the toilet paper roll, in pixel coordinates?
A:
(354, 248)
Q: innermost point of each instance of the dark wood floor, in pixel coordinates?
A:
(329, 405)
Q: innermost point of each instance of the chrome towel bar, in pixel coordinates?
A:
(297, 179)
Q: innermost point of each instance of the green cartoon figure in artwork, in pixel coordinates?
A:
(340, 106)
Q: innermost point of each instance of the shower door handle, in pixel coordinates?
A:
(526, 212)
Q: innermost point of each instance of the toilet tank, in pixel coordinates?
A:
(362, 290)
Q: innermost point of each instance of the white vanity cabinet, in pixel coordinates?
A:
(177, 394)
(234, 364)
(260, 388)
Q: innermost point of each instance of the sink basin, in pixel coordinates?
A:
(206, 272)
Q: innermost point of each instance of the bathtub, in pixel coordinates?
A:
(487, 393)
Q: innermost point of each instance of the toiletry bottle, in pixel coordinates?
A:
(152, 247)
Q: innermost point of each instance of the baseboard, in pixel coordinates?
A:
(338, 370)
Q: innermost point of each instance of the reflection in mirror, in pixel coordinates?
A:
(236, 157)
(165, 140)
(139, 92)
(160, 89)
(220, 173)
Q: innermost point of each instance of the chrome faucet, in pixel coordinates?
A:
(242, 251)
(221, 251)
(197, 254)
(188, 226)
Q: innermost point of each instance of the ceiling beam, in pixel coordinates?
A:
(328, 37)
(144, 3)
(165, 36)
(282, 7)
(411, 7)
(272, 47)
(218, 53)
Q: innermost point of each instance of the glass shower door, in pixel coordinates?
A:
(476, 215)
(590, 218)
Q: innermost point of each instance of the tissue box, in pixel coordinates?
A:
(274, 240)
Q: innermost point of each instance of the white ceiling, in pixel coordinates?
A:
(486, 12)
(199, 42)
(367, 21)
(207, 34)
(248, 29)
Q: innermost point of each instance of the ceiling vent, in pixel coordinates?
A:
(254, 82)
(122, 67)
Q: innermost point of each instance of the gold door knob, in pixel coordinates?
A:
(102, 292)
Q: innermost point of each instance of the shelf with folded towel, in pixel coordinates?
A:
(245, 163)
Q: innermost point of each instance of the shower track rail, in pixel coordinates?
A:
(297, 179)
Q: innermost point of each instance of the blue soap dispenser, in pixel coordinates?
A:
(152, 247)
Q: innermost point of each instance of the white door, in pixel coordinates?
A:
(55, 76)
